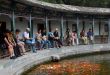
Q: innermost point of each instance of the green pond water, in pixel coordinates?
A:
(86, 65)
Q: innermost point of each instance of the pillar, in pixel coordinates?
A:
(46, 24)
(93, 24)
(109, 31)
(13, 22)
(13, 6)
(77, 26)
(61, 26)
(30, 25)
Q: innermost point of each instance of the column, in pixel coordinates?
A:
(13, 22)
(109, 31)
(77, 26)
(93, 24)
(61, 26)
(46, 24)
(13, 4)
(30, 25)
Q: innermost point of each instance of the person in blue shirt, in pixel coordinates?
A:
(90, 36)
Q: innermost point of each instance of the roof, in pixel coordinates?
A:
(66, 8)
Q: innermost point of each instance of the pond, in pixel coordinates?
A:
(86, 65)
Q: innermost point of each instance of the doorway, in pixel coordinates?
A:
(40, 27)
(74, 27)
(2, 26)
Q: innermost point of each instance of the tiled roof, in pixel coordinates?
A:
(66, 8)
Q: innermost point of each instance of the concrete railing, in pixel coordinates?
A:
(24, 63)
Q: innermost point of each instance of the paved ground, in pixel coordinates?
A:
(16, 66)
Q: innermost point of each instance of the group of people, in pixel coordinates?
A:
(42, 40)
(39, 41)
(87, 38)
(71, 38)
(15, 44)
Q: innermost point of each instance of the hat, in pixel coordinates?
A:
(28, 29)
(56, 29)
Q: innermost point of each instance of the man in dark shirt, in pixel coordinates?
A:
(56, 34)
(44, 33)
(56, 38)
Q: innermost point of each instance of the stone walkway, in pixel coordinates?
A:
(16, 66)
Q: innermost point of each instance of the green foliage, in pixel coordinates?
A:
(93, 3)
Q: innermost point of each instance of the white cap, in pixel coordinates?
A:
(56, 29)
(28, 29)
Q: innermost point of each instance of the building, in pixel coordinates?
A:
(37, 15)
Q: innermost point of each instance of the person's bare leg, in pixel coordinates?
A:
(22, 47)
(11, 51)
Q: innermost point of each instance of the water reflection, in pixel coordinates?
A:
(91, 65)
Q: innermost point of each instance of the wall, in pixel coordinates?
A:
(22, 25)
(55, 24)
(102, 27)
(88, 25)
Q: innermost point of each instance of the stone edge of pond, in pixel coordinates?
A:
(63, 55)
